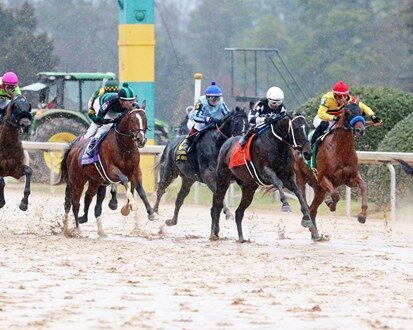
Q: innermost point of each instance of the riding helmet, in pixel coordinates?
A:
(275, 93)
(126, 93)
(340, 88)
(10, 78)
(213, 90)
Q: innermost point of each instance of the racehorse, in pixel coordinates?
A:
(272, 158)
(405, 166)
(336, 163)
(120, 158)
(201, 160)
(17, 119)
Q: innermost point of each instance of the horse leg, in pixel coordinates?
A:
(183, 192)
(113, 203)
(68, 203)
(2, 200)
(246, 199)
(131, 203)
(87, 201)
(285, 207)
(209, 179)
(223, 181)
(167, 174)
(142, 195)
(335, 197)
(308, 220)
(358, 181)
(27, 171)
(101, 193)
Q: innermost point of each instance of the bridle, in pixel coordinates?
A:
(233, 117)
(293, 145)
(15, 121)
(133, 134)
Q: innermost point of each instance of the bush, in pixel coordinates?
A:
(391, 105)
(399, 139)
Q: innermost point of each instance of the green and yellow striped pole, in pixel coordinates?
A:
(137, 65)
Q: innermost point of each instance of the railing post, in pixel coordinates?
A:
(392, 191)
(197, 95)
(348, 201)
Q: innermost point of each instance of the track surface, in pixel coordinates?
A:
(362, 278)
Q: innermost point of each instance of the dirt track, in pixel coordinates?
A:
(362, 278)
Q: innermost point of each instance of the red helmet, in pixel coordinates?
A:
(10, 78)
(340, 88)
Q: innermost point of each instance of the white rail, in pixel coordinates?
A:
(365, 157)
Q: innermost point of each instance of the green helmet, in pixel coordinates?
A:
(126, 93)
(111, 86)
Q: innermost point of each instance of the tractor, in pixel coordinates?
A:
(60, 111)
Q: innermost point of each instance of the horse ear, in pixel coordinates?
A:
(143, 105)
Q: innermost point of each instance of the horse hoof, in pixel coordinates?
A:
(361, 219)
(331, 206)
(307, 223)
(113, 205)
(320, 238)
(286, 208)
(229, 216)
(23, 206)
(243, 240)
(152, 216)
(213, 237)
(125, 210)
(170, 222)
(2, 204)
(82, 219)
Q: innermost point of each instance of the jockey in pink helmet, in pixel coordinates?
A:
(9, 85)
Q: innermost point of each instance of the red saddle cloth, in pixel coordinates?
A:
(241, 153)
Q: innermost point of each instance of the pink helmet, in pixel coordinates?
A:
(10, 78)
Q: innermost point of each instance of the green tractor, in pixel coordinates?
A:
(60, 111)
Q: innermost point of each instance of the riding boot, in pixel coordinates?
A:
(319, 131)
(91, 146)
(190, 139)
(246, 136)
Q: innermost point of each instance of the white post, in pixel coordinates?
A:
(197, 95)
(392, 190)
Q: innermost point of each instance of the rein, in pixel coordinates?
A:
(218, 128)
(293, 145)
(131, 134)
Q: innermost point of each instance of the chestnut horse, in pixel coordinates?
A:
(17, 118)
(272, 161)
(120, 158)
(336, 163)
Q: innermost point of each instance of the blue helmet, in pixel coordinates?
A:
(213, 90)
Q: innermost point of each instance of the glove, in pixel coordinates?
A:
(375, 119)
(268, 120)
(336, 118)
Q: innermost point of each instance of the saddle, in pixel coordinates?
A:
(86, 159)
(186, 144)
(311, 163)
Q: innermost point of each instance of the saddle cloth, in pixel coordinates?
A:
(181, 153)
(86, 159)
(241, 154)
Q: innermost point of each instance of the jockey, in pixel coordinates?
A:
(110, 88)
(209, 109)
(265, 110)
(114, 106)
(331, 107)
(8, 89)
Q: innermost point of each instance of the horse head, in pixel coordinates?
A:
(292, 129)
(353, 119)
(234, 123)
(18, 113)
(134, 125)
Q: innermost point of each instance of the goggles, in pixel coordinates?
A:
(275, 102)
(214, 98)
(339, 97)
(8, 86)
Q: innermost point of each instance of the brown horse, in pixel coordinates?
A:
(336, 163)
(119, 156)
(17, 118)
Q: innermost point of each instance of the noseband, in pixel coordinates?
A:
(132, 134)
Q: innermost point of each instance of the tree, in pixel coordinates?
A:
(25, 51)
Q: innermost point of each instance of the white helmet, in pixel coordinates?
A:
(275, 93)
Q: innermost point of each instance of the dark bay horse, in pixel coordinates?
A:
(202, 159)
(17, 118)
(120, 158)
(272, 158)
(336, 163)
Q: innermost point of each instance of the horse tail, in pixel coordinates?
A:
(63, 164)
(405, 166)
